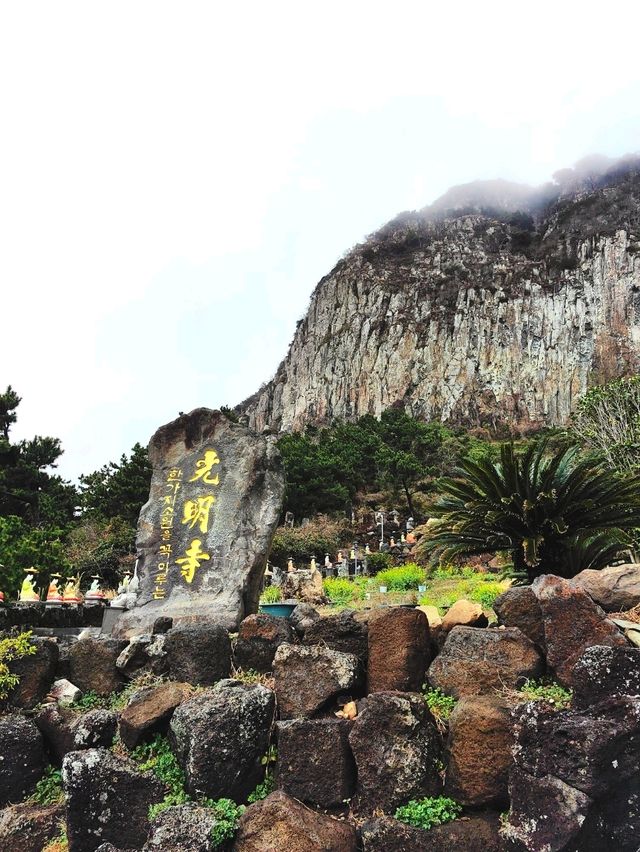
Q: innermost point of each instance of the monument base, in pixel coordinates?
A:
(183, 611)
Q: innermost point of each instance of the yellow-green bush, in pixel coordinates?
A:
(402, 578)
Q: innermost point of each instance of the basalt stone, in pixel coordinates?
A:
(259, 638)
(186, 828)
(162, 624)
(605, 672)
(399, 650)
(519, 607)
(64, 692)
(220, 736)
(308, 678)
(476, 661)
(303, 616)
(56, 725)
(205, 532)
(65, 644)
(304, 585)
(29, 828)
(150, 711)
(315, 764)
(22, 757)
(36, 673)
(135, 657)
(479, 833)
(280, 822)
(93, 665)
(615, 589)
(94, 729)
(397, 750)
(108, 800)
(200, 655)
(572, 623)
(346, 631)
(479, 745)
(464, 613)
(613, 822)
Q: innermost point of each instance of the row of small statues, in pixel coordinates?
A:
(63, 591)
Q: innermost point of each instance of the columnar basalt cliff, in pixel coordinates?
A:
(497, 304)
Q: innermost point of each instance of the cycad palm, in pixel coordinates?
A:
(554, 513)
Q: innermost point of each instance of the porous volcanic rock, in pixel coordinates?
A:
(200, 654)
(149, 712)
(615, 588)
(399, 650)
(22, 757)
(315, 764)
(95, 729)
(479, 745)
(280, 822)
(259, 637)
(220, 736)
(477, 660)
(92, 664)
(307, 678)
(479, 833)
(185, 828)
(36, 673)
(572, 623)
(28, 828)
(303, 616)
(57, 727)
(305, 585)
(135, 657)
(519, 607)
(345, 631)
(613, 822)
(108, 800)
(604, 672)
(397, 749)
(464, 613)
(215, 499)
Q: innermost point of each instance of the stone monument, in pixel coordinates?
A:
(205, 533)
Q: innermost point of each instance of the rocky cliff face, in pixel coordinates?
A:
(471, 313)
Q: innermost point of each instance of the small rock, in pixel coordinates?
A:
(150, 711)
(57, 727)
(464, 613)
(346, 631)
(200, 655)
(615, 589)
(519, 607)
(108, 800)
(307, 678)
(22, 757)
(93, 665)
(64, 692)
(161, 625)
(399, 650)
(36, 673)
(397, 750)
(280, 822)
(259, 637)
(477, 660)
(29, 828)
(94, 729)
(186, 828)
(220, 736)
(432, 614)
(304, 585)
(303, 616)
(315, 764)
(134, 658)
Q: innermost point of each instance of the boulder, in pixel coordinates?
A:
(56, 725)
(22, 757)
(303, 616)
(345, 631)
(94, 729)
(29, 828)
(315, 764)
(200, 655)
(308, 678)
(186, 828)
(613, 822)
(615, 589)
(477, 660)
(397, 750)
(108, 800)
(479, 833)
(464, 613)
(64, 692)
(162, 624)
(605, 672)
(399, 650)
(65, 644)
(135, 657)
(519, 607)
(92, 664)
(36, 673)
(479, 745)
(572, 623)
(220, 736)
(259, 637)
(432, 614)
(280, 822)
(304, 585)
(149, 712)
(205, 532)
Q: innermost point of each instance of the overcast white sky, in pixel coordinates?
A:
(176, 177)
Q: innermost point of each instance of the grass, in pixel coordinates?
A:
(548, 691)
(441, 705)
(425, 813)
(271, 594)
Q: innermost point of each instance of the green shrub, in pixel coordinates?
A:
(339, 590)
(486, 592)
(48, 790)
(169, 801)
(227, 815)
(441, 705)
(262, 790)
(546, 690)
(377, 562)
(13, 648)
(425, 813)
(318, 537)
(89, 701)
(402, 578)
(271, 594)
(157, 757)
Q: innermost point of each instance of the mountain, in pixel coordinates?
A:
(498, 304)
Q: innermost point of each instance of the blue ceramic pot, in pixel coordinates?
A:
(280, 610)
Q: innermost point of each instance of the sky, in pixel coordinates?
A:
(176, 177)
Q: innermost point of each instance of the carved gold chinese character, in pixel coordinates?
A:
(197, 512)
(203, 468)
(191, 560)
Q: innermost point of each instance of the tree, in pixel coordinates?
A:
(118, 490)
(556, 513)
(607, 419)
(9, 401)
